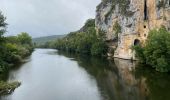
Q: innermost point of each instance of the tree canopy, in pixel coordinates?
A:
(13, 48)
(85, 41)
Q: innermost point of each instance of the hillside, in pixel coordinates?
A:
(42, 40)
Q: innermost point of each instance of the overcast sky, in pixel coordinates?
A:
(46, 17)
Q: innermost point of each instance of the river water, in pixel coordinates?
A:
(52, 75)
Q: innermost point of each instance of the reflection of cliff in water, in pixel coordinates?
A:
(116, 80)
(132, 88)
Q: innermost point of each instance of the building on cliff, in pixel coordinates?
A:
(135, 19)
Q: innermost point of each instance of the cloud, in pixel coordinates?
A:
(47, 17)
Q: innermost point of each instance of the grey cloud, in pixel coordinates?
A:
(47, 17)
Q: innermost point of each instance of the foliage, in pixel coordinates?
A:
(42, 40)
(85, 41)
(139, 53)
(89, 23)
(99, 48)
(6, 88)
(14, 48)
(156, 52)
(24, 38)
(117, 29)
(17, 47)
(2, 25)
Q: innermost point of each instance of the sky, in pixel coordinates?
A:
(47, 17)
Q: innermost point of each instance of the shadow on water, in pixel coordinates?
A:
(4, 76)
(123, 80)
(157, 83)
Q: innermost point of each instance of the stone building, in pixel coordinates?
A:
(135, 19)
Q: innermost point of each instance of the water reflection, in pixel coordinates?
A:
(157, 83)
(132, 88)
(125, 80)
(65, 76)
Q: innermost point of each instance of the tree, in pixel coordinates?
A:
(12, 50)
(99, 48)
(2, 49)
(85, 41)
(24, 38)
(156, 52)
(2, 26)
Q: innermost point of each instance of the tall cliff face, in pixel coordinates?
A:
(129, 22)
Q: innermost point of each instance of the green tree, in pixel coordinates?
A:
(86, 41)
(12, 50)
(24, 38)
(2, 40)
(2, 25)
(156, 52)
(99, 48)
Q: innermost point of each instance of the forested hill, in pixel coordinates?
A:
(43, 40)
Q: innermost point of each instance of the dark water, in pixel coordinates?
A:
(52, 75)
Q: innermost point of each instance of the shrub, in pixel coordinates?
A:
(99, 48)
(156, 52)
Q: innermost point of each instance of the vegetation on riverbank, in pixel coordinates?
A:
(84, 41)
(12, 50)
(42, 40)
(7, 88)
(156, 52)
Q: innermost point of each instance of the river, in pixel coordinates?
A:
(52, 75)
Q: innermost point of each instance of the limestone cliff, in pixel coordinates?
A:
(129, 21)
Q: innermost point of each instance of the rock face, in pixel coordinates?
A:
(129, 22)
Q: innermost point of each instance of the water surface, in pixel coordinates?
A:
(52, 75)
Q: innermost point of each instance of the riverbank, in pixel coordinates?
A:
(69, 76)
(7, 88)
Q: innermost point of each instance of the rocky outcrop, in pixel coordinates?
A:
(129, 22)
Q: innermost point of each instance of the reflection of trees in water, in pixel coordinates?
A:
(5, 76)
(117, 80)
(101, 69)
(157, 83)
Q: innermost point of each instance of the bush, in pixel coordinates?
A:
(140, 53)
(156, 52)
(7, 88)
(99, 48)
